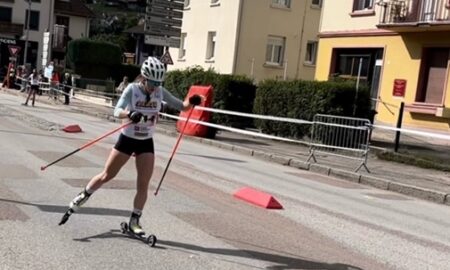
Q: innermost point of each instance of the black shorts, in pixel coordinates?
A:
(129, 145)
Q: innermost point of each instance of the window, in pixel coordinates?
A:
(432, 78)
(275, 50)
(5, 14)
(211, 46)
(362, 5)
(311, 52)
(317, 3)
(182, 50)
(282, 3)
(34, 20)
(187, 3)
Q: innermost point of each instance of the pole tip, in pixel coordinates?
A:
(42, 168)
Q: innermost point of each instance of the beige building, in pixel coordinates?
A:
(399, 48)
(63, 19)
(259, 38)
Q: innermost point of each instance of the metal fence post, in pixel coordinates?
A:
(399, 125)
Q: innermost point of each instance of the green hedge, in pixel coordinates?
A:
(93, 59)
(231, 92)
(302, 100)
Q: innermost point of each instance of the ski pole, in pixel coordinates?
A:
(85, 146)
(173, 151)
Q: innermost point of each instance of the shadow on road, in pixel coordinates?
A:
(63, 209)
(282, 262)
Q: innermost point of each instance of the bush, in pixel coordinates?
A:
(231, 92)
(304, 99)
(93, 59)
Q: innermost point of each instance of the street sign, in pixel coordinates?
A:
(14, 50)
(163, 30)
(161, 20)
(162, 12)
(168, 4)
(166, 58)
(162, 41)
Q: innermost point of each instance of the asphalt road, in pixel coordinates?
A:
(326, 223)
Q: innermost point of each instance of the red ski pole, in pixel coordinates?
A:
(85, 146)
(173, 151)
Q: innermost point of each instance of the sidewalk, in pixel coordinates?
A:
(432, 185)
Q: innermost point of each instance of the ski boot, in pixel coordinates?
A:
(134, 229)
(134, 225)
(75, 205)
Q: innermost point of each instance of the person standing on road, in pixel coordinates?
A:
(34, 80)
(140, 102)
(67, 87)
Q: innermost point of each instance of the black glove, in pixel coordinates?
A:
(135, 116)
(195, 100)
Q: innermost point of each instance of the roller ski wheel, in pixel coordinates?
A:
(150, 239)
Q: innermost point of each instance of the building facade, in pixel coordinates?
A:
(62, 19)
(262, 39)
(400, 48)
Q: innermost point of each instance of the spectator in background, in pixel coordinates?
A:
(34, 81)
(67, 87)
(54, 84)
(122, 85)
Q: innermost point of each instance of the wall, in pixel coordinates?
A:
(402, 59)
(200, 18)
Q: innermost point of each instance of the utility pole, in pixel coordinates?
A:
(27, 25)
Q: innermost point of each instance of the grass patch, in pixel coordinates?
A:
(415, 160)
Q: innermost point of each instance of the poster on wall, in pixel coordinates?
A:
(399, 88)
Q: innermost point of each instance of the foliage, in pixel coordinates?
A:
(231, 92)
(302, 100)
(93, 59)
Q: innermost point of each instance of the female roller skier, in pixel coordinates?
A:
(140, 102)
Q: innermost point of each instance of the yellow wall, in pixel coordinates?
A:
(402, 58)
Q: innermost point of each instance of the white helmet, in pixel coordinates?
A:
(153, 69)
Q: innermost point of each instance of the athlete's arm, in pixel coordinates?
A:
(174, 102)
(120, 110)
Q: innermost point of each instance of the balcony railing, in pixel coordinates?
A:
(11, 28)
(415, 12)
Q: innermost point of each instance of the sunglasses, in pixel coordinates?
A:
(153, 83)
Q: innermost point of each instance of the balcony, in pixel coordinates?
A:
(414, 15)
(12, 29)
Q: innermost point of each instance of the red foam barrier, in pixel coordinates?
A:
(258, 198)
(194, 129)
(72, 128)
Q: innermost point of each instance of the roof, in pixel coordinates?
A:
(73, 8)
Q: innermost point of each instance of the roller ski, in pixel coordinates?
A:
(133, 229)
(75, 204)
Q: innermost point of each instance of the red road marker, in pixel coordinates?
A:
(72, 129)
(258, 198)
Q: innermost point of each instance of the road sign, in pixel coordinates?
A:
(167, 4)
(162, 12)
(163, 30)
(161, 20)
(14, 50)
(162, 41)
(166, 58)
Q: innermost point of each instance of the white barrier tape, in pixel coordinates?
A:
(258, 116)
(415, 132)
(241, 131)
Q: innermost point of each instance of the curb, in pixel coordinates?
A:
(379, 183)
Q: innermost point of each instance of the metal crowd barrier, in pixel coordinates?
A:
(345, 137)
